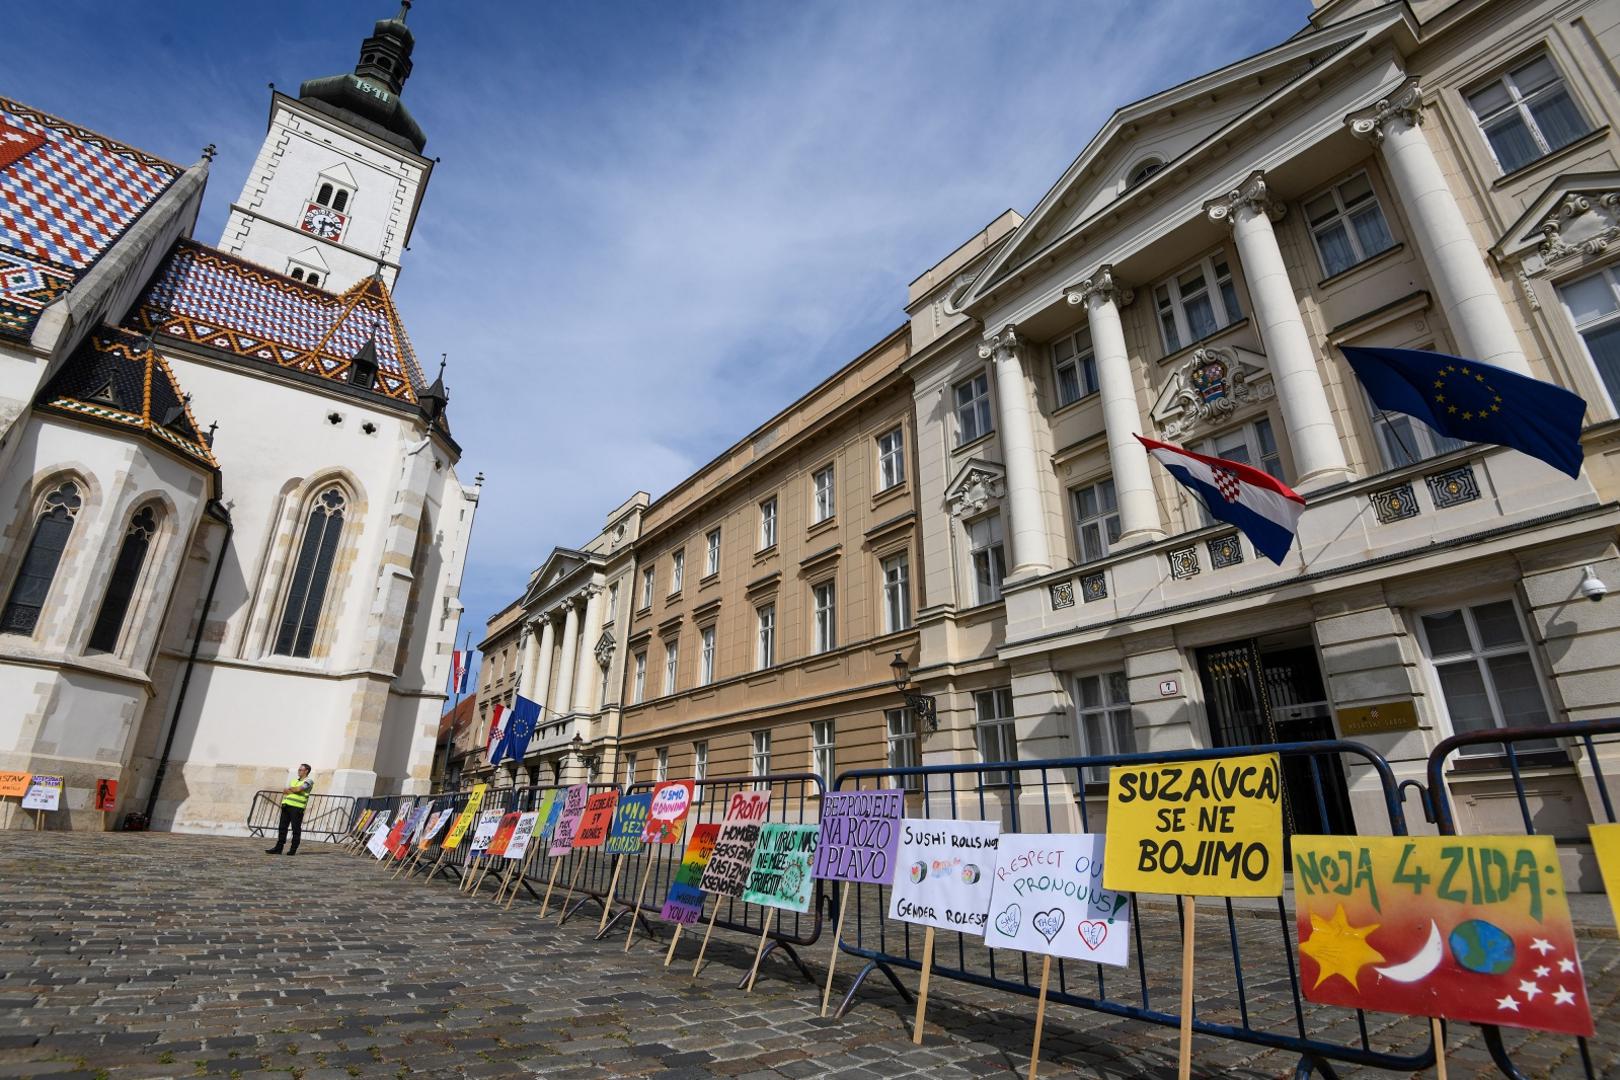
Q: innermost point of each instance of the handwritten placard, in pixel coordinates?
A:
(465, 818)
(1048, 897)
(436, 824)
(14, 784)
(378, 844)
(44, 793)
(518, 846)
(733, 854)
(484, 831)
(598, 819)
(568, 819)
(780, 875)
(671, 800)
(1470, 928)
(629, 822)
(504, 833)
(1196, 828)
(684, 903)
(943, 873)
(1606, 845)
(860, 831)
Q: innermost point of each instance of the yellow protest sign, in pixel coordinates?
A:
(1196, 828)
(468, 812)
(1606, 843)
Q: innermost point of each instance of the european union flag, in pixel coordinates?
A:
(1477, 402)
(520, 725)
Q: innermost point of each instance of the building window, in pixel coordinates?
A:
(314, 278)
(1197, 302)
(706, 660)
(324, 195)
(903, 754)
(1527, 114)
(646, 588)
(989, 558)
(896, 594)
(767, 523)
(973, 408)
(766, 615)
(998, 741)
(1406, 440)
(1103, 705)
(700, 768)
(711, 565)
(1251, 444)
(1096, 520)
(663, 763)
(1142, 170)
(1594, 306)
(825, 506)
(33, 584)
(311, 575)
(1482, 661)
(672, 663)
(826, 616)
(613, 601)
(677, 571)
(760, 763)
(340, 199)
(823, 752)
(298, 273)
(126, 575)
(1347, 225)
(891, 459)
(638, 688)
(1074, 368)
(629, 768)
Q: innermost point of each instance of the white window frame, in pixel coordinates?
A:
(638, 687)
(759, 758)
(823, 494)
(649, 577)
(1105, 712)
(767, 524)
(672, 664)
(1074, 351)
(1104, 517)
(1253, 446)
(896, 593)
(629, 768)
(1480, 653)
(663, 763)
(1342, 217)
(824, 749)
(711, 542)
(706, 655)
(765, 621)
(677, 570)
(900, 732)
(1610, 275)
(1167, 296)
(700, 768)
(1519, 103)
(824, 602)
(891, 456)
(991, 552)
(998, 725)
(977, 406)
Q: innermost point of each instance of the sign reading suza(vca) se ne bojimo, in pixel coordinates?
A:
(1196, 828)
(1048, 897)
(1470, 928)
(943, 873)
(860, 831)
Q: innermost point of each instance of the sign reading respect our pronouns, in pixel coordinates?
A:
(1048, 897)
(1196, 828)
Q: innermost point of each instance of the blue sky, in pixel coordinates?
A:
(654, 224)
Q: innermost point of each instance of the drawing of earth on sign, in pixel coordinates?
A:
(1048, 897)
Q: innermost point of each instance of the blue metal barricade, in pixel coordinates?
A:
(1022, 795)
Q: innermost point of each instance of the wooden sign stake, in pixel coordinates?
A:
(1439, 1047)
(705, 946)
(1184, 1062)
(613, 889)
(562, 909)
(545, 905)
(832, 961)
(753, 973)
(922, 987)
(522, 874)
(1040, 1016)
(433, 871)
(674, 940)
(641, 893)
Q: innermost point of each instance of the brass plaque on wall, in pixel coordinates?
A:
(1377, 719)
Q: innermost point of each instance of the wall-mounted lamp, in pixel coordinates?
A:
(921, 705)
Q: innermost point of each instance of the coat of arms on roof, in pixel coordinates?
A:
(1208, 388)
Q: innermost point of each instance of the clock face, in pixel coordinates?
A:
(323, 221)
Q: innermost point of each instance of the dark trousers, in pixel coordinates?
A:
(294, 816)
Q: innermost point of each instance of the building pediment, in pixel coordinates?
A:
(1577, 215)
(1208, 388)
(560, 566)
(977, 486)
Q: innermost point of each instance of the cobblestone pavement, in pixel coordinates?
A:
(128, 955)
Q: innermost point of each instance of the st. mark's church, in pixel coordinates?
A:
(231, 528)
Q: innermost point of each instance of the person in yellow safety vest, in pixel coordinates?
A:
(293, 802)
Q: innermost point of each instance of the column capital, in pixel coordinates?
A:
(1002, 346)
(1101, 283)
(1405, 103)
(1253, 193)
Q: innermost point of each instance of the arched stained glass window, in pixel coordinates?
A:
(39, 563)
(126, 575)
(311, 575)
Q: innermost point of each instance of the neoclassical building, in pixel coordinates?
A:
(231, 528)
(1427, 175)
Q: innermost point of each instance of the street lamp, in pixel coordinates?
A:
(921, 705)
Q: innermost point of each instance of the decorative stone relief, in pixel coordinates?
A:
(1585, 223)
(1062, 595)
(604, 649)
(1394, 503)
(1208, 388)
(1183, 562)
(1406, 104)
(1101, 282)
(1002, 346)
(1453, 487)
(1253, 194)
(1225, 551)
(1094, 587)
(979, 485)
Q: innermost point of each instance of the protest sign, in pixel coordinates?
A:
(378, 844)
(598, 819)
(545, 813)
(44, 793)
(1606, 845)
(1047, 897)
(1467, 928)
(522, 833)
(684, 904)
(503, 833)
(488, 822)
(400, 832)
(13, 784)
(434, 827)
(860, 831)
(733, 854)
(629, 823)
(1197, 828)
(423, 814)
(106, 794)
(573, 809)
(671, 800)
(780, 874)
(465, 818)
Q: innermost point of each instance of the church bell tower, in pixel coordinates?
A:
(333, 195)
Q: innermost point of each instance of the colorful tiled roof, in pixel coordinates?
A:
(210, 298)
(116, 377)
(66, 196)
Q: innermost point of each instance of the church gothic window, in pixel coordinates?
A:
(311, 574)
(126, 575)
(33, 585)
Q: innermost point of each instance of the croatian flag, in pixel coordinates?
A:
(497, 728)
(1265, 508)
(460, 668)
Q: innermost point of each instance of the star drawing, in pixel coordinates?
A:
(1543, 971)
(1566, 965)
(1339, 948)
(1509, 1003)
(1529, 989)
(1542, 946)
(1563, 997)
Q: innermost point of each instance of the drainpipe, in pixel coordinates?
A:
(216, 510)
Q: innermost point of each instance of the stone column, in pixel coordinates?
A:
(570, 655)
(588, 679)
(1122, 415)
(542, 664)
(530, 650)
(1465, 286)
(1318, 453)
(1031, 550)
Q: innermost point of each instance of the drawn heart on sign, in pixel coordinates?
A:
(1048, 923)
(1093, 933)
(1007, 921)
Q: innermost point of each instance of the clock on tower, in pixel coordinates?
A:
(323, 221)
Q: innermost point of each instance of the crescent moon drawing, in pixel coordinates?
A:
(1422, 963)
